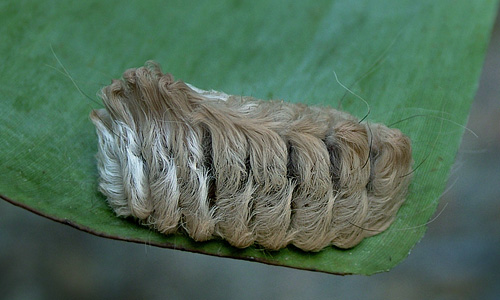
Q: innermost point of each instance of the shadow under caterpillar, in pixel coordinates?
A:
(245, 170)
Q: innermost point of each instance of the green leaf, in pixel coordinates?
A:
(416, 63)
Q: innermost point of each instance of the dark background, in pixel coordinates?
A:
(458, 258)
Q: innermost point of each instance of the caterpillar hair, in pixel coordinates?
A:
(178, 158)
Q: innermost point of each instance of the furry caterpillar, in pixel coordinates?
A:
(248, 171)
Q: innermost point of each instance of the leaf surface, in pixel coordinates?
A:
(417, 64)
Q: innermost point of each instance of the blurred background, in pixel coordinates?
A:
(458, 258)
